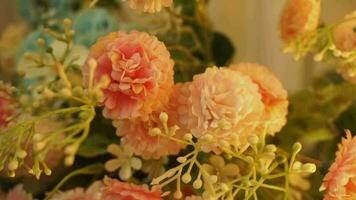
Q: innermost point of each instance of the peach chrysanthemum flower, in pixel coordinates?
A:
(345, 35)
(140, 73)
(150, 6)
(340, 182)
(92, 193)
(226, 108)
(7, 104)
(299, 17)
(274, 96)
(136, 133)
(116, 190)
(17, 193)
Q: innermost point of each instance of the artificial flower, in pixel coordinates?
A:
(17, 193)
(92, 193)
(344, 34)
(150, 6)
(124, 160)
(340, 182)
(226, 107)
(116, 190)
(298, 18)
(137, 133)
(53, 156)
(7, 104)
(140, 71)
(274, 96)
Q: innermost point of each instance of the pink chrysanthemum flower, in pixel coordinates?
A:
(92, 193)
(226, 105)
(136, 133)
(340, 182)
(150, 6)
(6, 104)
(17, 193)
(116, 190)
(274, 96)
(140, 71)
(345, 35)
(299, 17)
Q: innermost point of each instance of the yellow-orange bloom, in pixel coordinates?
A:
(340, 182)
(226, 107)
(140, 73)
(299, 17)
(136, 132)
(345, 35)
(150, 6)
(274, 96)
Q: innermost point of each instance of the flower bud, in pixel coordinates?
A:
(186, 178)
(297, 147)
(155, 132)
(178, 194)
(309, 167)
(69, 160)
(163, 117)
(181, 159)
(197, 184)
(65, 92)
(21, 153)
(213, 179)
(271, 148)
(13, 165)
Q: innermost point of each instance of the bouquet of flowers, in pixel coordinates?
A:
(139, 100)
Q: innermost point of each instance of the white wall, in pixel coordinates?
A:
(253, 27)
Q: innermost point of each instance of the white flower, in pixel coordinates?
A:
(125, 161)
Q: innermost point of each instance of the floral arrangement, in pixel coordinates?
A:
(138, 100)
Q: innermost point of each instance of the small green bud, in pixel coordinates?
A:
(297, 147)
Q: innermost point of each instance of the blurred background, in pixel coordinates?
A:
(252, 25)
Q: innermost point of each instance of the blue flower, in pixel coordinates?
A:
(91, 24)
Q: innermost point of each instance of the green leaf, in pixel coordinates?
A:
(94, 145)
(222, 49)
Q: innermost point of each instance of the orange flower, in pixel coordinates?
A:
(136, 133)
(226, 108)
(116, 190)
(345, 35)
(150, 6)
(140, 71)
(299, 17)
(274, 96)
(340, 182)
